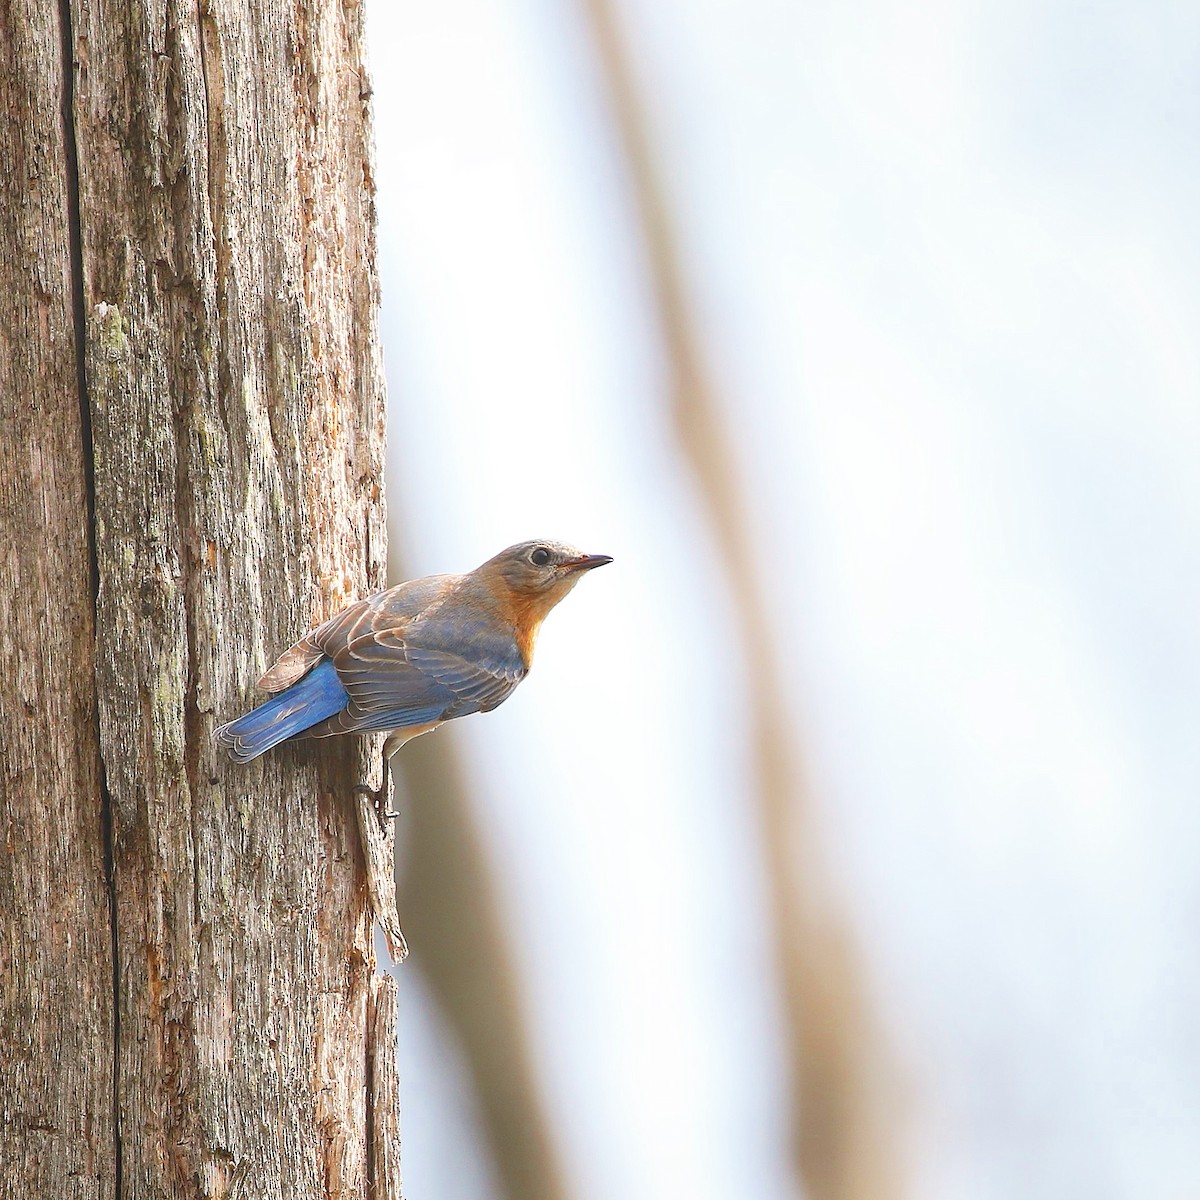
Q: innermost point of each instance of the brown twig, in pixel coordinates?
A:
(840, 1143)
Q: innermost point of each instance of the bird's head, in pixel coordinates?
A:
(533, 577)
(529, 579)
(542, 570)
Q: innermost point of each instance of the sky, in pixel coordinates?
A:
(945, 260)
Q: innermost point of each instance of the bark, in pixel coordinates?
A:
(841, 1140)
(56, 981)
(231, 430)
(385, 1091)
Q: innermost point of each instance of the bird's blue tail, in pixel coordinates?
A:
(311, 699)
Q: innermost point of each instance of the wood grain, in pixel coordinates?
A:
(56, 1012)
(385, 1092)
(222, 286)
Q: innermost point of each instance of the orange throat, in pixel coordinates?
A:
(528, 613)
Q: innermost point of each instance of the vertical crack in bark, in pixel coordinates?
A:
(214, 173)
(190, 565)
(79, 317)
(369, 1080)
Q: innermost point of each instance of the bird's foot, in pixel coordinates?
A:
(378, 797)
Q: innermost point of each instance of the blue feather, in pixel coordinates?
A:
(308, 701)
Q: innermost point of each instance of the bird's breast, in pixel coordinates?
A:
(526, 616)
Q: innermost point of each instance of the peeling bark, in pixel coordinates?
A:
(384, 1095)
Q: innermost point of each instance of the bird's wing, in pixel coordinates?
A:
(294, 662)
(397, 606)
(395, 679)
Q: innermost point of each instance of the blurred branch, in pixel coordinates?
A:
(451, 910)
(841, 1144)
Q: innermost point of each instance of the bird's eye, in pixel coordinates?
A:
(540, 557)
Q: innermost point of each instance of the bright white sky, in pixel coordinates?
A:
(948, 260)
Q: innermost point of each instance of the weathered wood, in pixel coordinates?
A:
(379, 852)
(385, 1091)
(226, 301)
(56, 1054)
(237, 404)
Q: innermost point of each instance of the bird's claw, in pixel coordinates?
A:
(379, 798)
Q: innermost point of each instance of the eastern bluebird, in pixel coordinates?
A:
(405, 660)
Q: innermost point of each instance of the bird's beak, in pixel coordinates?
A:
(587, 562)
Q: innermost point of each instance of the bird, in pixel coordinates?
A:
(406, 660)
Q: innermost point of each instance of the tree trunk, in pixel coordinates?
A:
(188, 1002)
(56, 977)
